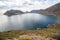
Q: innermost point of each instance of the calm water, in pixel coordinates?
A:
(25, 21)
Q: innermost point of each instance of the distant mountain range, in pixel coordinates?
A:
(13, 12)
(35, 11)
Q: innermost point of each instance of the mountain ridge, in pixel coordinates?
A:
(53, 10)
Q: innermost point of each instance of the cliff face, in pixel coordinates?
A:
(13, 12)
(54, 10)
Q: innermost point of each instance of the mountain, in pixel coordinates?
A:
(53, 10)
(13, 12)
(35, 11)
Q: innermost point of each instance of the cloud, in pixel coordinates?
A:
(1, 3)
(26, 5)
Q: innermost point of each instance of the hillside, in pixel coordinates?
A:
(53, 10)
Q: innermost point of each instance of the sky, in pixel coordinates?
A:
(26, 5)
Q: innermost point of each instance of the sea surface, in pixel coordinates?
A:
(27, 21)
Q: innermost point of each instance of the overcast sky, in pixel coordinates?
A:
(26, 5)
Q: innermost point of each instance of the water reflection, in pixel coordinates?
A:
(3, 22)
(25, 21)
